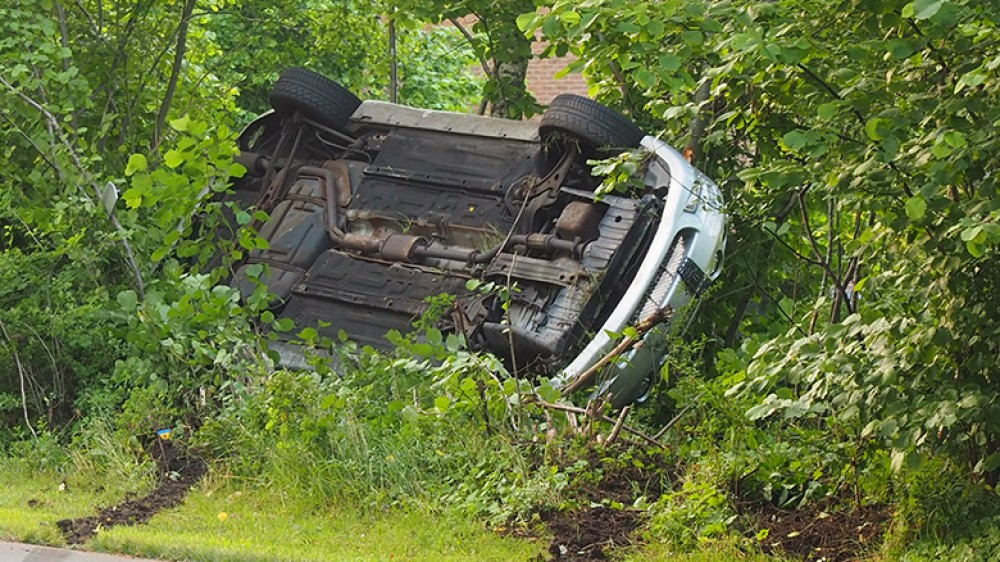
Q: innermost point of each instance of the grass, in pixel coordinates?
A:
(257, 526)
(224, 524)
(721, 551)
(31, 502)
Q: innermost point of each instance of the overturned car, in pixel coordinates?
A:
(374, 207)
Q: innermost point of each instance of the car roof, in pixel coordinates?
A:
(394, 115)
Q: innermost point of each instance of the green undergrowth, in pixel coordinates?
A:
(715, 551)
(32, 501)
(980, 544)
(43, 480)
(224, 522)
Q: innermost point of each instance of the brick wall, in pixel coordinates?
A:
(541, 76)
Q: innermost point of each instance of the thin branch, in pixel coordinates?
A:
(678, 417)
(53, 124)
(21, 375)
(474, 43)
(63, 33)
(175, 72)
(774, 301)
(55, 167)
(861, 119)
(788, 247)
(476, 48)
(95, 28)
(815, 248)
(601, 417)
(618, 425)
(697, 130)
(583, 379)
(616, 71)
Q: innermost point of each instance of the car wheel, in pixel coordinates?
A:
(320, 98)
(262, 131)
(600, 130)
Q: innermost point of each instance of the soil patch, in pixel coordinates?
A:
(178, 472)
(585, 534)
(820, 532)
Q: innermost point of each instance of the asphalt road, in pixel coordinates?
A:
(15, 552)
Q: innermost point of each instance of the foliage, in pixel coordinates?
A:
(493, 35)
(854, 333)
(381, 432)
(249, 43)
(347, 41)
(863, 153)
(698, 511)
(434, 70)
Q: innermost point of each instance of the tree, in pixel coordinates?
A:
(503, 50)
(858, 141)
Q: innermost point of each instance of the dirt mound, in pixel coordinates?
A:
(585, 534)
(582, 535)
(178, 472)
(819, 532)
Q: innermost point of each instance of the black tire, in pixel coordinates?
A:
(600, 130)
(320, 98)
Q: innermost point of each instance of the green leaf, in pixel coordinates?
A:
(655, 28)
(442, 403)
(434, 336)
(970, 80)
(900, 48)
(645, 78)
(875, 128)
(570, 18)
(627, 27)
(955, 139)
(410, 414)
(133, 197)
(973, 233)
(924, 9)
(525, 22)
(551, 26)
(173, 158)
(670, 63)
(828, 110)
(136, 163)
(693, 37)
(128, 300)
(897, 458)
(916, 206)
(548, 392)
(940, 149)
(975, 249)
(180, 124)
(237, 170)
(794, 140)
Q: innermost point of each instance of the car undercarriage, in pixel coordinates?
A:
(376, 209)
